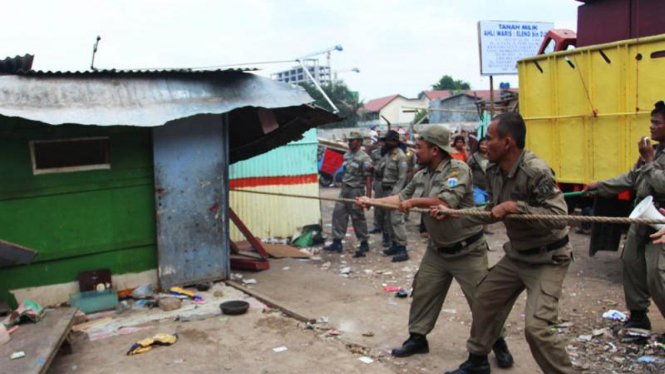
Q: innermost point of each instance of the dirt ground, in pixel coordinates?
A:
(365, 320)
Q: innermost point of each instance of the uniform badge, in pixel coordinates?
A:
(405, 165)
(452, 182)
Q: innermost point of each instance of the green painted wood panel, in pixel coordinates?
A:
(77, 221)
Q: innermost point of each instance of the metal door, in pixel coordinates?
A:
(191, 195)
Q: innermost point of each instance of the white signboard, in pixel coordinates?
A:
(503, 43)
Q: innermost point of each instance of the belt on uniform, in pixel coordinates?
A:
(457, 247)
(387, 185)
(350, 186)
(545, 248)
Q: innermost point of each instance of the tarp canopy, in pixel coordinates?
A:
(154, 98)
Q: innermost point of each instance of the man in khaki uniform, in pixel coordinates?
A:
(377, 162)
(394, 180)
(411, 161)
(537, 255)
(643, 262)
(357, 169)
(454, 251)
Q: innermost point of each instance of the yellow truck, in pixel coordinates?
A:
(586, 108)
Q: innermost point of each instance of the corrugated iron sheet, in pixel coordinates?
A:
(12, 65)
(274, 216)
(296, 158)
(154, 98)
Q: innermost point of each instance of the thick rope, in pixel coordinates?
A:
(481, 213)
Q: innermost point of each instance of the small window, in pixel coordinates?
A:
(70, 155)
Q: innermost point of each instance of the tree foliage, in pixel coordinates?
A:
(344, 99)
(448, 83)
(419, 116)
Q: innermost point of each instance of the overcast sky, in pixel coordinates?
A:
(399, 46)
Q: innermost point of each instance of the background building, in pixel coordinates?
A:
(297, 74)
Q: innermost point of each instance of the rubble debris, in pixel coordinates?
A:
(16, 355)
(402, 293)
(366, 359)
(142, 292)
(169, 304)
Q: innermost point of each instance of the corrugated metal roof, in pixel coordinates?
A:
(154, 98)
(123, 72)
(15, 64)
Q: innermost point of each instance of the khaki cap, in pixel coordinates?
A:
(437, 135)
(354, 135)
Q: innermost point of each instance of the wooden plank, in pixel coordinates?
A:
(87, 325)
(284, 250)
(269, 301)
(40, 342)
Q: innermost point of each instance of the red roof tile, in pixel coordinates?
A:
(376, 105)
(437, 95)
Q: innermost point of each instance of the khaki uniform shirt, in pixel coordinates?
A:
(531, 184)
(356, 169)
(377, 161)
(451, 182)
(394, 170)
(647, 179)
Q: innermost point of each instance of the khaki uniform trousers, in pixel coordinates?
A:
(379, 214)
(342, 211)
(433, 280)
(643, 270)
(394, 225)
(496, 296)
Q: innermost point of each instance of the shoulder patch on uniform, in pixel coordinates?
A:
(545, 186)
(452, 181)
(453, 172)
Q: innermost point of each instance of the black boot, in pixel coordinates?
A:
(415, 344)
(638, 320)
(362, 249)
(336, 246)
(474, 365)
(376, 230)
(393, 250)
(385, 241)
(401, 255)
(503, 356)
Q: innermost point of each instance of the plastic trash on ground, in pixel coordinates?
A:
(145, 345)
(614, 315)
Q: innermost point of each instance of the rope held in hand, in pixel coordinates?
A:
(480, 213)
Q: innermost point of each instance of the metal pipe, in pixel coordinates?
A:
(335, 110)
